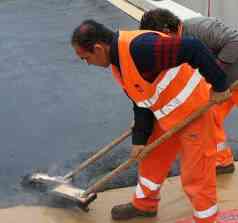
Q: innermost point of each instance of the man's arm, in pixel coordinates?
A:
(195, 53)
(143, 119)
(153, 53)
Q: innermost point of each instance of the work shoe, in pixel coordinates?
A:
(225, 169)
(128, 211)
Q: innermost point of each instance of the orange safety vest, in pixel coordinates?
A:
(174, 94)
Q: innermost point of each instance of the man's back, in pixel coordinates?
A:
(220, 38)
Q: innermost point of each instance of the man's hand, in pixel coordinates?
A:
(136, 151)
(219, 97)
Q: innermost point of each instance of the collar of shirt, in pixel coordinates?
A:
(114, 54)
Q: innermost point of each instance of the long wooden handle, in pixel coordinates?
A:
(101, 152)
(95, 187)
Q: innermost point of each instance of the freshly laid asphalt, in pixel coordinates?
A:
(55, 110)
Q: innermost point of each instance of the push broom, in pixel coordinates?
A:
(84, 197)
(43, 180)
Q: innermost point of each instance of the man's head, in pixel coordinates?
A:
(161, 20)
(91, 42)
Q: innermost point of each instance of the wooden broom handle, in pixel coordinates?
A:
(101, 152)
(95, 187)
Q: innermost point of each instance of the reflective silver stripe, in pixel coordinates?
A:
(162, 85)
(222, 146)
(145, 104)
(149, 184)
(207, 213)
(139, 192)
(181, 97)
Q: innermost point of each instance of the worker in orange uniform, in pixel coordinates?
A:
(154, 71)
(222, 40)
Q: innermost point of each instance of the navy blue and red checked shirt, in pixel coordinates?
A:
(153, 53)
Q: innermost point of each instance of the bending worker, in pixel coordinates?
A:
(222, 40)
(172, 94)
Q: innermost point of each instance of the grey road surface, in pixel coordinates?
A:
(55, 109)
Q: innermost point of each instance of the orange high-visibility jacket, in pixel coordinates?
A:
(175, 93)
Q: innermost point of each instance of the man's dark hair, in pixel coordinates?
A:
(90, 32)
(158, 19)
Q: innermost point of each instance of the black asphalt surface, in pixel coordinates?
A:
(55, 110)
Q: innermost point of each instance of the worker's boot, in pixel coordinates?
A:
(128, 211)
(230, 168)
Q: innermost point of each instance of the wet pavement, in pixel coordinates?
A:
(55, 109)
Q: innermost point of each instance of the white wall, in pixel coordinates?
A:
(227, 10)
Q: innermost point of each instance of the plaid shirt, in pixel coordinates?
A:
(153, 53)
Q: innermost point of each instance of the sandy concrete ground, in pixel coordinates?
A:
(174, 205)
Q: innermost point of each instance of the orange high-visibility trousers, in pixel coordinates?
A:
(235, 96)
(197, 148)
(224, 153)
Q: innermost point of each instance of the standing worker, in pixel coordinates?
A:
(222, 40)
(174, 92)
